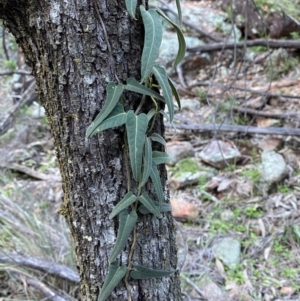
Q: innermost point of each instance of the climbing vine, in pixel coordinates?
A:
(138, 142)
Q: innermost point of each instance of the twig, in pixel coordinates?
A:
(21, 72)
(250, 43)
(215, 128)
(26, 99)
(51, 268)
(190, 282)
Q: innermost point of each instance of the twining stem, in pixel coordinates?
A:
(130, 264)
(133, 207)
(141, 104)
(126, 162)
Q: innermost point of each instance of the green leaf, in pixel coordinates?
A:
(126, 224)
(180, 37)
(149, 204)
(179, 12)
(136, 127)
(175, 93)
(127, 200)
(158, 138)
(114, 276)
(160, 157)
(116, 118)
(134, 86)
(113, 94)
(154, 174)
(147, 162)
(141, 272)
(153, 38)
(150, 114)
(162, 78)
(163, 207)
(131, 7)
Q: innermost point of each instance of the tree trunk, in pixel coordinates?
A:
(75, 48)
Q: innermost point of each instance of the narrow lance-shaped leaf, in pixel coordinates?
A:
(134, 86)
(131, 7)
(179, 12)
(114, 276)
(158, 138)
(141, 272)
(163, 207)
(113, 94)
(154, 174)
(136, 127)
(160, 157)
(153, 38)
(147, 162)
(126, 224)
(162, 78)
(175, 93)
(150, 114)
(181, 40)
(116, 118)
(149, 204)
(127, 200)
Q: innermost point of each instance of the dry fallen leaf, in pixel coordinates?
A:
(263, 122)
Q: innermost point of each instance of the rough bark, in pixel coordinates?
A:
(65, 44)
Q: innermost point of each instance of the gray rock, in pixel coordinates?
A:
(228, 250)
(220, 154)
(179, 150)
(169, 47)
(210, 290)
(227, 215)
(273, 169)
(189, 178)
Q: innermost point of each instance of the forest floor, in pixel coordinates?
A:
(255, 93)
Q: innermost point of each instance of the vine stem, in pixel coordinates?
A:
(141, 104)
(112, 60)
(130, 264)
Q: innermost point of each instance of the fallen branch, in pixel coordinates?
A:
(215, 128)
(50, 294)
(12, 72)
(233, 87)
(265, 114)
(51, 268)
(30, 172)
(249, 43)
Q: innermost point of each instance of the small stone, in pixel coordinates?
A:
(219, 154)
(210, 290)
(273, 169)
(227, 215)
(179, 150)
(228, 250)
